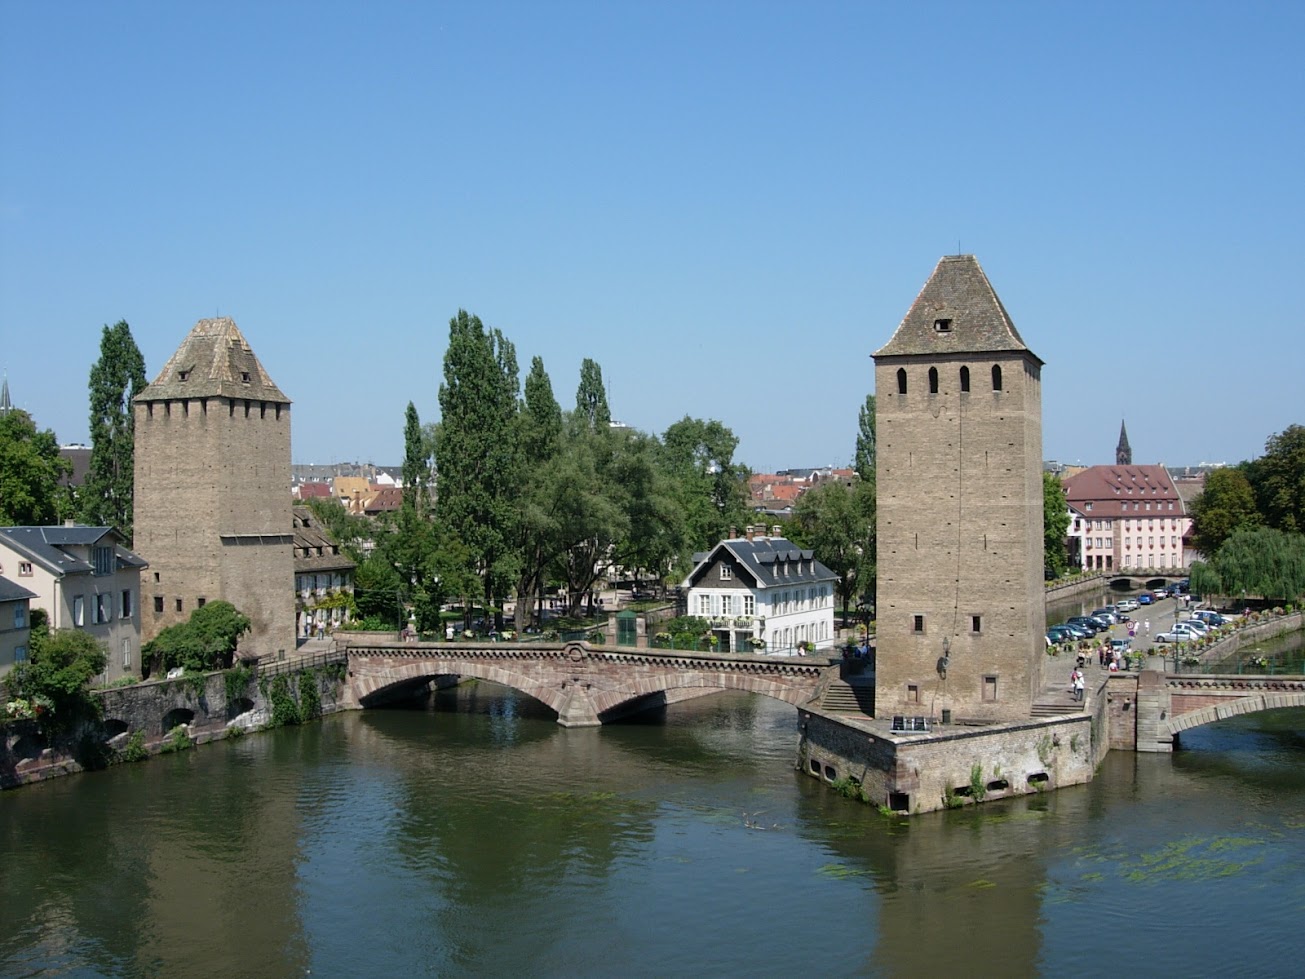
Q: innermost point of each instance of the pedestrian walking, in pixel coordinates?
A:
(1078, 685)
(1147, 626)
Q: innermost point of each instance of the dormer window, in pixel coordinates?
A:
(942, 326)
(244, 377)
(183, 375)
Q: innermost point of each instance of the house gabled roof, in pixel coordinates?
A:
(11, 591)
(45, 547)
(214, 360)
(764, 558)
(959, 295)
(308, 536)
(1108, 488)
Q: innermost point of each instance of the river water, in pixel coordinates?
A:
(476, 837)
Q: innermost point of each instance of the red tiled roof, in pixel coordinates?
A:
(1113, 490)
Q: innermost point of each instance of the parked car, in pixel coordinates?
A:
(1088, 622)
(1144, 598)
(1120, 645)
(1195, 624)
(1105, 613)
(1058, 634)
(1079, 631)
(1210, 617)
(1160, 593)
(1126, 604)
(1179, 633)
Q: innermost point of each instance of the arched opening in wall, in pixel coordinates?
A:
(831, 773)
(178, 715)
(238, 706)
(901, 380)
(899, 801)
(1038, 779)
(815, 767)
(996, 377)
(998, 785)
(933, 380)
(965, 380)
(113, 727)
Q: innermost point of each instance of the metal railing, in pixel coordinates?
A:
(294, 664)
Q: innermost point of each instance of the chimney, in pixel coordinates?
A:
(734, 534)
(776, 530)
(750, 532)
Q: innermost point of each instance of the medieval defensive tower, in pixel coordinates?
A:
(213, 489)
(960, 596)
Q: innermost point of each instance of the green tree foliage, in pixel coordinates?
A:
(654, 532)
(865, 440)
(378, 590)
(60, 669)
(711, 490)
(591, 396)
(828, 520)
(416, 464)
(1225, 505)
(589, 507)
(1259, 562)
(30, 470)
(477, 450)
(1055, 524)
(204, 642)
(349, 530)
(538, 529)
(108, 494)
(1278, 480)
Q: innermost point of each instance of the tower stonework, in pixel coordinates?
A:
(960, 600)
(212, 509)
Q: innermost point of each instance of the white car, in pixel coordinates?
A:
(1195, 625)
(1181, 632)
(1126, 605)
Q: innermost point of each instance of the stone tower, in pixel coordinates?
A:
(1123, 451)
(960, 604)
(213, 489)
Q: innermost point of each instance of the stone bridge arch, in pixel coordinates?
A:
(1169, 704)
(585, 685)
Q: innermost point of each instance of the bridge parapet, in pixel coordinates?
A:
(582, 682)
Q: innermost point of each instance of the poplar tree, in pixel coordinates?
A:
(477, 451)
(591, 397)
(865, 440)
(108, 493)
(536, 524)
(414, 461)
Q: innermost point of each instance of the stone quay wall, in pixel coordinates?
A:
(153, 708)
(929, 771)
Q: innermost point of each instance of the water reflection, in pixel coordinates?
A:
(489, 840)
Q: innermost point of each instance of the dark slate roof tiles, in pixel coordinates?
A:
(960, 294)
(214, 360)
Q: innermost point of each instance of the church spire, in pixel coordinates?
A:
(6, 405)
(1123, 453)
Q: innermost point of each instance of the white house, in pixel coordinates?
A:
(84, 579)
(15, 625)
(763, 593)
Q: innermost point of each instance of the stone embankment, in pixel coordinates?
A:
(170, 714)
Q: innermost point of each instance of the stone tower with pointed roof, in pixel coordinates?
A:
(212, 510)
(960, 599)
(1123, 451)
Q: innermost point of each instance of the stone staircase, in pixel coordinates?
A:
(854, 697)
(1056, 708)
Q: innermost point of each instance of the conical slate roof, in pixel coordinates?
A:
(957, 312)
(214, 360)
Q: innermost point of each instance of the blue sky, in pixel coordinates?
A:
(729, 206)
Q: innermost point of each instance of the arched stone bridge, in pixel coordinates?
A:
(1170, 703)
(585, 684)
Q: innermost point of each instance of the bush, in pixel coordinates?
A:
(134, 749)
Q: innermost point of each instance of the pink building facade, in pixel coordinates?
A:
(1126, 517)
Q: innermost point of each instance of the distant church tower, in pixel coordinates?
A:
(212, 510)
(1123, 453)
(960, 596)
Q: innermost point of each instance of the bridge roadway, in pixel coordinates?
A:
(585, 684)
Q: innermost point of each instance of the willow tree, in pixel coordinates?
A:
(108, 493)
(1258, 563)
